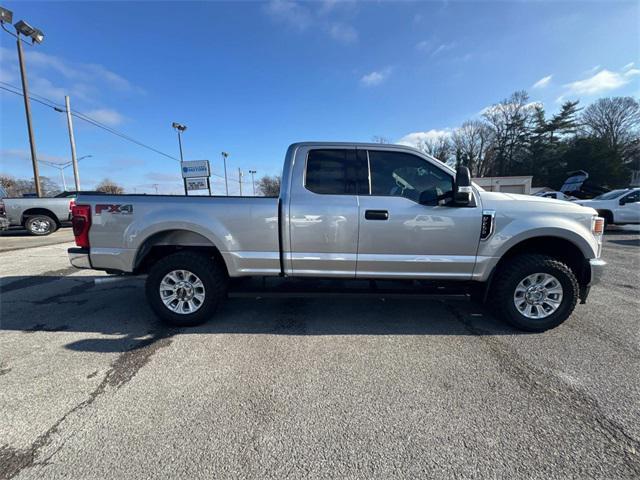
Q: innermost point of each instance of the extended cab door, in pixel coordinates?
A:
(323, 213)
(401, 238)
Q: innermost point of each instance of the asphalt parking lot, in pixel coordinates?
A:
(92, 386)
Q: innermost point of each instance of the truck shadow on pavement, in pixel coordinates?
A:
(65, 306)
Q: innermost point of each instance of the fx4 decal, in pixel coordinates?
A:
(126, 209)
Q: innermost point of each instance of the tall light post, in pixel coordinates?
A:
(240, 180)
(62, 166)
(180, 129)
(253, 181)
(224, 161)
(23, 28)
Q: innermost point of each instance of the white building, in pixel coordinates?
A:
(506, 184)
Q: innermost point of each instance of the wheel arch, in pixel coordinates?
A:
(30, 212)
(166, 242)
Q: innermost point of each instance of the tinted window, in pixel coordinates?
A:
(633, 197)
(334, 172)
(399, 174)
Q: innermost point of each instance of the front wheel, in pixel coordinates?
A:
(40, 225)
(186, 288)
(535, 292)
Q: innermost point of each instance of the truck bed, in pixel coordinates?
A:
(243, 229)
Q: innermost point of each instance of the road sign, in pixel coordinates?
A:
(195, 168)
(197, 183)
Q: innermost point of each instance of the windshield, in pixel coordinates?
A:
(610, 195)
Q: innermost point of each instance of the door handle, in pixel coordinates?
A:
(376, 215)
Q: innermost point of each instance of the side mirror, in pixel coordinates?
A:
(429, 197)
(462, 191)
(622, 201)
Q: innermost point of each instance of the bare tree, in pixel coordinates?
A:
(616, 121)
(439, 147)
(22, 186)
(511, 120)
(269, 186)
(473, 144)
(109, 186)
(380, 139)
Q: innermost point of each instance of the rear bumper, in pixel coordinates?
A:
(79, 257)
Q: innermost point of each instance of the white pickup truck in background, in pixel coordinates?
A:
(617, 207)
(360, 212)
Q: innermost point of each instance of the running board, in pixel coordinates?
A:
(273, 287)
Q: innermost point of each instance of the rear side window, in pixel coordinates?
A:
(398, 174)
(334, 172)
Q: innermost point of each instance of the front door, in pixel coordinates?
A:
(401, 238)
(628, 209)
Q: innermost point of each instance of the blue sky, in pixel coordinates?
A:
(251, 77)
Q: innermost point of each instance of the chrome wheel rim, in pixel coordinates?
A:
(538, 295)
(40, 226)
(182, 292)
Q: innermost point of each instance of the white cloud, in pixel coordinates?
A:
(602, 81)
(416, 139)
(106, 116)
(322, 15)
(543, 82)
(290, 12)
(9, 154)
(424, 45)
(343, 33)
(376, 77)
(628, 66)
(443, 47)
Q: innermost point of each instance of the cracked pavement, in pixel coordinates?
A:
(92, 386)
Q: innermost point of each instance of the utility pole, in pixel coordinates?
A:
(72, 140)
(253, 181)
(224, 161)
(155, 186)
(240, 180)
(27, 110)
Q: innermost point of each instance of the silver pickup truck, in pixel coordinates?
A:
(40, 216)
(372, 213)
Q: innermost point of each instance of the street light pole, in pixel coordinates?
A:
(224, 161)
(253, 181)
(240, 180)
(72, 140)
(181, 128)
(27, 110)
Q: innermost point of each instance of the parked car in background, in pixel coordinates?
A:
(4, 222)
(40, 216)
(556, 195)
(350, 211)
(617, 207)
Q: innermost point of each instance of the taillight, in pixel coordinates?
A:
(81, 222)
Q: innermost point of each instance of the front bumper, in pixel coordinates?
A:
(79, 257)
(596, 265)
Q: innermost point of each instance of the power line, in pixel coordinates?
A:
(59, 108)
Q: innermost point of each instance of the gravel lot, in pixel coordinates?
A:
(93, 387)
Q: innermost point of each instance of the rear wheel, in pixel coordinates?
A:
(535, 292)
(186, 288)
(40, 225)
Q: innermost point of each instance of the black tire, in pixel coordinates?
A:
(514, 270)
(207, 269)
(40, 225)
(608, 218)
